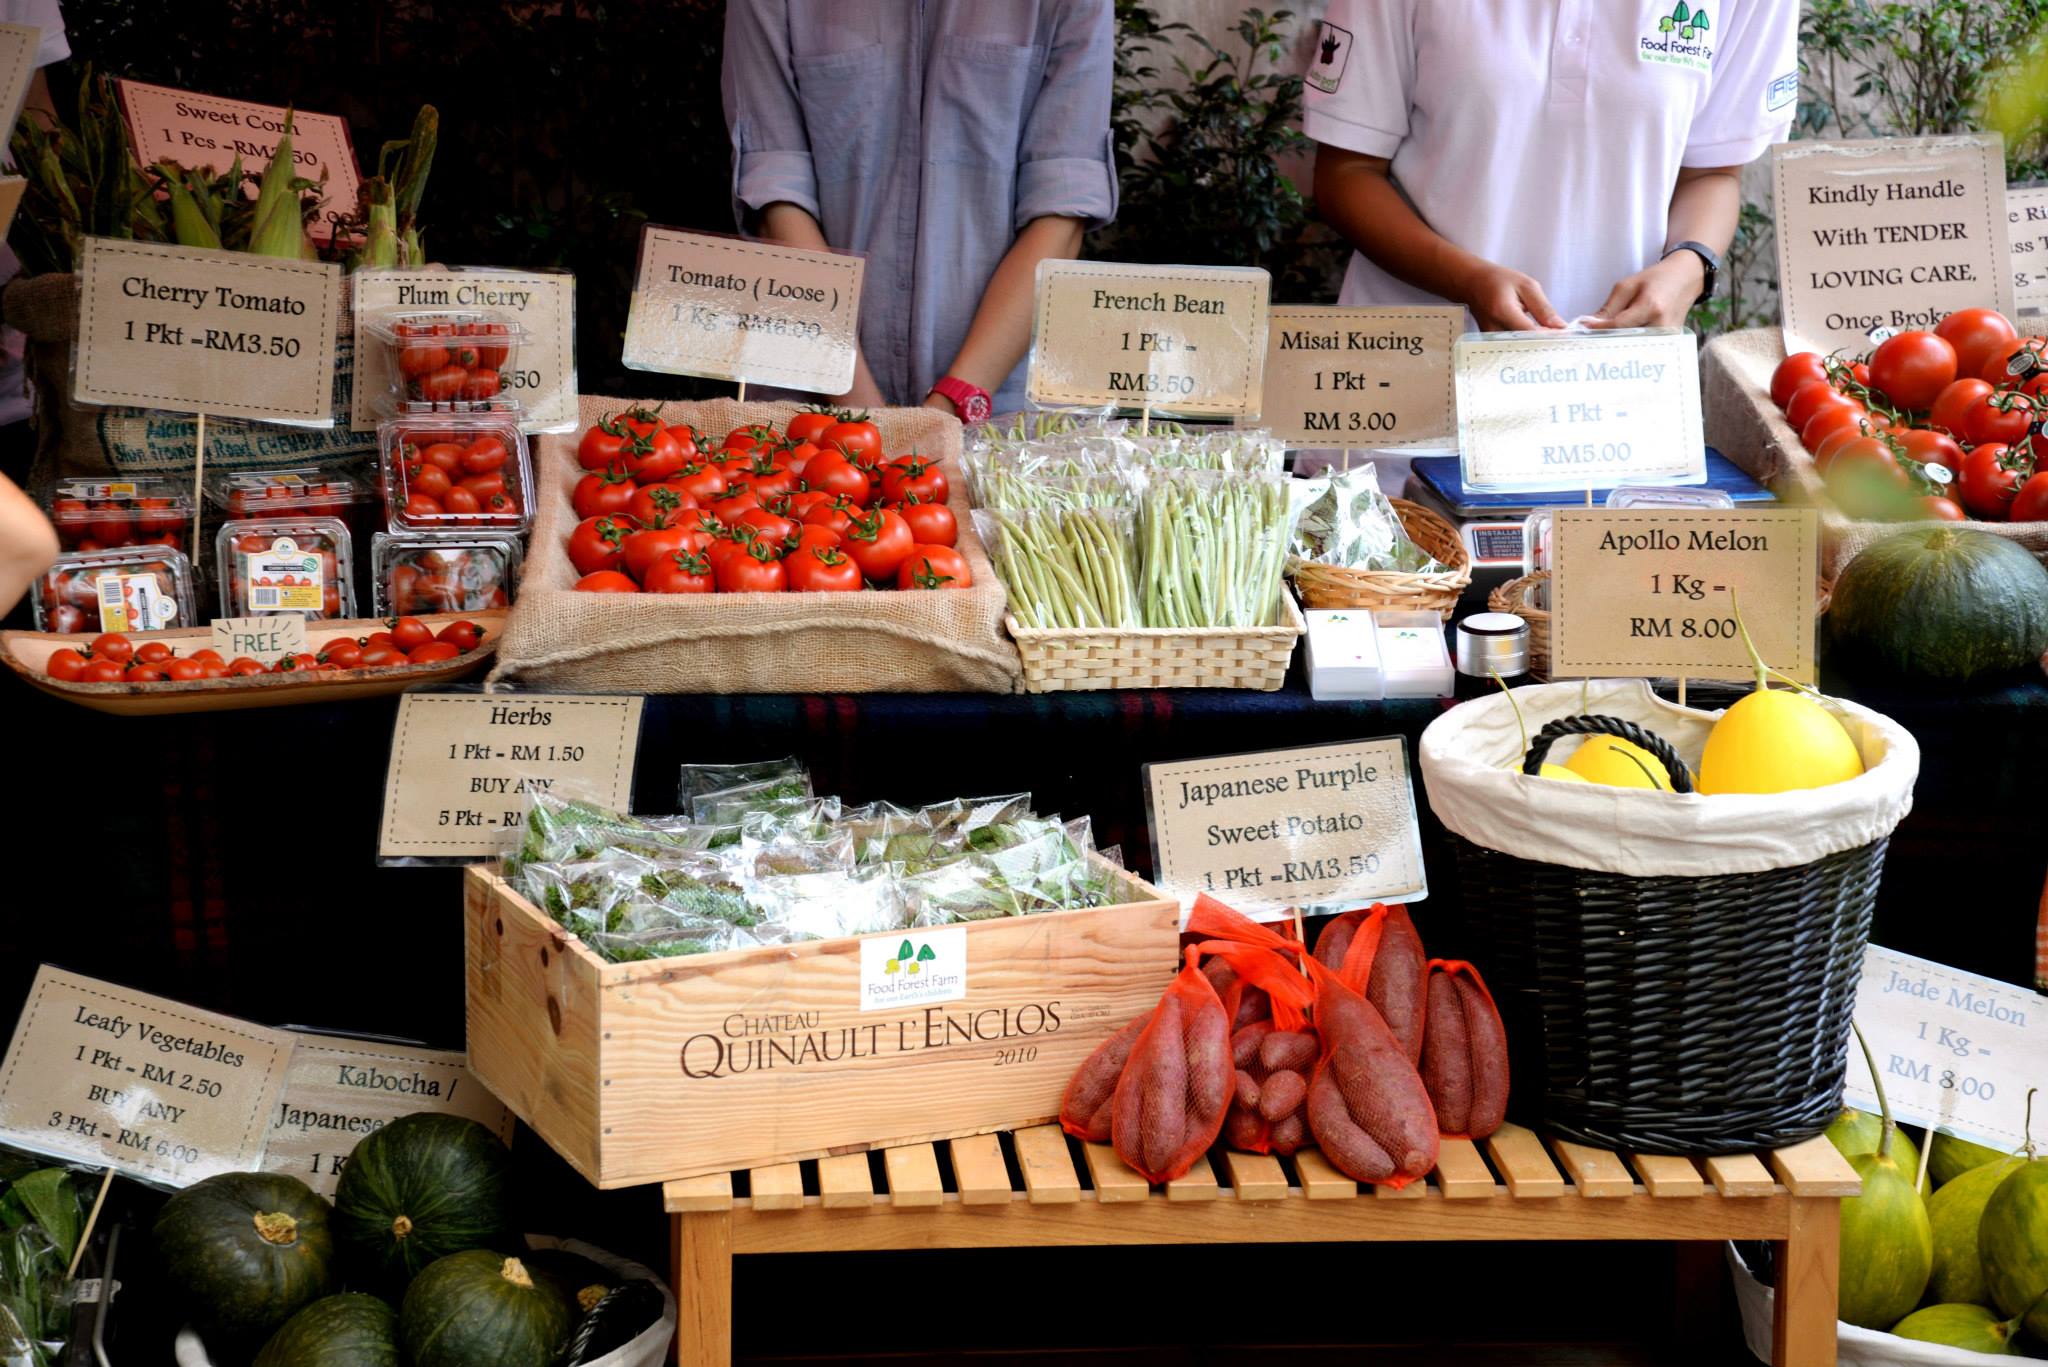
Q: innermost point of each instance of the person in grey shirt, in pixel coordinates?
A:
(954, 143)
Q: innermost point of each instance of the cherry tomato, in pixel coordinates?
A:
(484, 487)
(112, 645)
(480, 386)
(377, 655)
(807, 425)
(184, 670)
(1951, 411)
(878, 542)
(606, 581)
(931, 524)
(1810, 398)
(933, 567)
(832, 473)
(421, 507)
(680, 572)
(440, 386)
(756, 570)
(67, 666)
(603, 491)
(342, 653)
(1794, 371)
(464, 635)
(2030, 504)
(1929, 447)
(462, 502)
(1991, 479)
(1977, 335)
(432, 653)
(429, 480)
(101, 671)
(485, 454)
(407, 632)
(1912, 368)
(155, 652)
(135, 673)
(242, 666)
(2001, 418)
(208, 655)
(819, 569)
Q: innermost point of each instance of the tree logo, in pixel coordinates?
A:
(909, 959)
(1682, 38)
(1687, 24)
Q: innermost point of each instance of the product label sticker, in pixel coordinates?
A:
(541, 374)
(463, 763)
(1186, 340)
(1888, 232)
(19, 46)
(283, 579)
(267, 639)
(338, 1090)
(134, 602)
(1278, 829)
(913, 968)
(153, 1088)
(754, 312)
(204, 130)
(1957, 1052)
(1653, 591)
(195, 331)
(1584, 410)
(1360, 377)
(2026, 220)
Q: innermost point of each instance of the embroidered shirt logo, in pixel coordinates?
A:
(1333, 55)
(1684, 37)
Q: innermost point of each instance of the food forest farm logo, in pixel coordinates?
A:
(1333, 54)
(926, 967)
(1684, 37)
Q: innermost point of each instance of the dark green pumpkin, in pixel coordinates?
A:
(246, 1251)
(1942, 603)
(349, 1330)
(421, 1188)
(481, 1309)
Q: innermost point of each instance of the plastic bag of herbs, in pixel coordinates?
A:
(43, 1209)
(1345, 520)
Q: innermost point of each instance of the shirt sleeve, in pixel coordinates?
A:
(1755, 86)
(53, 46)
(1360, 75)
(771, 150)
(1066, 156)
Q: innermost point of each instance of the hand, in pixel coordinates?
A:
(1504, 300)
(1659, 297)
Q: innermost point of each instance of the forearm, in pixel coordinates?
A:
(1356, 197)
(1001, 330)
(28, 544)
(1706, 205)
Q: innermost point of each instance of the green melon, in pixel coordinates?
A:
(1855, 1132)
(1887, 1245)
(246, 1251)
(1952, 1157)
(1954, 1212)
(349, 1330)
(1970, 1327)
(2013, 1243)
(424, 1186)
(479, 1309)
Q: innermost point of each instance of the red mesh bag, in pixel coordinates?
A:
(1336, 936)
(1085, 1109)
(1385, 957)
(1176, 1084)
(1367, 1107)
(1464, 1052)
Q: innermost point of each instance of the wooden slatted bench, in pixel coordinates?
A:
(1039, 1188)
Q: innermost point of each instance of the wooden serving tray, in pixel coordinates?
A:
(26, 653)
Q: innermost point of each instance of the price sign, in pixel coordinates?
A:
(1351, 377)
(260, 638)
(541, 374)
(1888, 233)
(462, 764)
(1579, 410)
(731, 309)
(197, 331)
(202, 130)
(18, 47)
(1176, 339)
(338, 1090)
(1652, 591)
(2026, 227)
(1278, 829)
(121, 1079)
(1957, 1051)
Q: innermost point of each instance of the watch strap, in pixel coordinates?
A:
(970, 401)
(1710, 261)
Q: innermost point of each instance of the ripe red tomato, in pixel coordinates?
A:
(830, 472)
(602, 444)
(1991, 479)
(67, 666)
(601, 492)
(135, 673)
(462, 502)
(912, 475)
(155, 653)
(433, 652)
(879, 542)
(680, 572)
(854, 437)
(420, 506)
(642, 548)
(933, 567)
(1951, 411)
(101, 671)
(480, 386)
(799, 455)
(1810, 398)
(814, 537)
(407, 632)
(660, 505)
(2015, 361)
(598, 543)
(2030, 504)
(756, 570)
(1977, 335)
(112, 645)
(183, 670)
(441, 386)
(701, 482)
(806, 425)
(463, 635)
(1865, 479)
(1824, 454)
(2002, 418)
(1912, 368)
(342, 653)
(485, 454)
(1827, 422)
(1935, 508)
(931, 524)
(1794, 371)
(837, 515)
(376, 655)
(652, 452)
(606, 581)
(822, 569)
(737, 498)
(1929, 447)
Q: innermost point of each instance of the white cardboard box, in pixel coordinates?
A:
(1343, 655)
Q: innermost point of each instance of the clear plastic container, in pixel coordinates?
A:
(447, 361)
(136, 588)
(416, 572)
(445, 474)
(307, 491)
(285, 564)
(92, 514)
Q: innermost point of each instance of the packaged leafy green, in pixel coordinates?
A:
(696, 780)
(43, 1210)
(966, 889)
(1345, 520)
(824, 906)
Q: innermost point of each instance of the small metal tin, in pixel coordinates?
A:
(1493, 643)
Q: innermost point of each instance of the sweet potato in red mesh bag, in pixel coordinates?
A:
(1085, 1109)
(1390, 967)
(1367, 1107)
(1464, 1052)
(1177, 1083)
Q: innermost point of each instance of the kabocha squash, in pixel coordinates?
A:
(1945, 604)
(1887, 1247)
(246, 1251)
(424, 1186)
(481, 1309)
(349, 1330)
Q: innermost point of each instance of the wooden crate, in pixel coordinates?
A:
(677, 1067)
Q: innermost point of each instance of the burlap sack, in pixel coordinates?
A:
(1745, 426)
(945, 641)
(74, 440)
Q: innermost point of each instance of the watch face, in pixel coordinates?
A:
(976, 409)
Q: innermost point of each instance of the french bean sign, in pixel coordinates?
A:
(1185, 340)
(1279, 829)
(1360, 377)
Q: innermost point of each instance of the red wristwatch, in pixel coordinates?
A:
(971, 402)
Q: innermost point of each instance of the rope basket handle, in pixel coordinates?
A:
(1594, 725)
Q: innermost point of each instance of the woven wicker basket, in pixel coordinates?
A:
(1069, 659)
(1514, 597)
(1333, 586)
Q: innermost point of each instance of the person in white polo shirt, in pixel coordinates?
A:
(1544, 161)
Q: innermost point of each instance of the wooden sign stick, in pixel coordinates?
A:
(1145, 421)
(743, 391)
(1301, 934)
(1681, 690)
(198, 501)
(91, 1219)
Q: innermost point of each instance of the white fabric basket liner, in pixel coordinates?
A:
(1471, 767)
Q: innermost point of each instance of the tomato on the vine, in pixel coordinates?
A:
(2030, 504)
(1912, 368)
(1951, 411)
(1828, 421)
(2017, 360)
(1991, 479)
(1977, 335)
(2002, 417)
(1811, 398)
(1794, 371)
(1929, 447)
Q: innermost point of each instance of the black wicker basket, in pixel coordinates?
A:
(1671, 1015)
